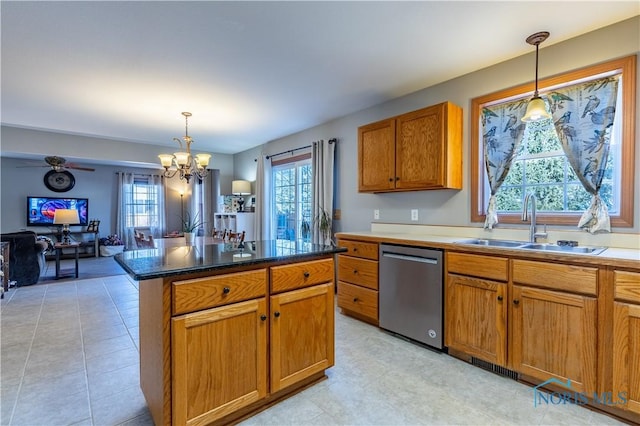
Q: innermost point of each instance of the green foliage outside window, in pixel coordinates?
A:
(541, 167)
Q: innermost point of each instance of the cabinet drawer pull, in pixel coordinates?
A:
(306, 274)
(355, 299)
(500, 298)
(226, 290)
(355, 271)
(276, 314)
(263, 317)
(516, 302)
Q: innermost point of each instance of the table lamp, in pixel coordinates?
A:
(66, 217)
(240, 187)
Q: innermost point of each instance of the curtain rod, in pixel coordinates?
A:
(332, 140)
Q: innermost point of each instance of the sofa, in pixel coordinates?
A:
(26, 257)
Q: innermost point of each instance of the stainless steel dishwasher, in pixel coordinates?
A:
(411, 293)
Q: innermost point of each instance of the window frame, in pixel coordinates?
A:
(293, 162)
(624, 218)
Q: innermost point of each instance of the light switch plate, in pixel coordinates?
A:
(414, 214)
(376, 214)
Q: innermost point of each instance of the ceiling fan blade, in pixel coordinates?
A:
(70, 166)
(24, 167)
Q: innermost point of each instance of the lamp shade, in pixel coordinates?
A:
(66, 217)
(536, 110)
(241, 187)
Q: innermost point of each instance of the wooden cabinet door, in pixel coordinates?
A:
(626, 354)
(476, 317)
(219, 361)
(419, 149)
(553, 335)
(376, 156)
(302, 333)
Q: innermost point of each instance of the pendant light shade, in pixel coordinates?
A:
(537, 109)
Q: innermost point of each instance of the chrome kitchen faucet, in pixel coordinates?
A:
(532, 230)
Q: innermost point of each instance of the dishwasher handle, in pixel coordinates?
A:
(411, 258)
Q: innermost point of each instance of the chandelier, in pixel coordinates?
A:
(184, 162)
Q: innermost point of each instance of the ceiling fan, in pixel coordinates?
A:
(59, 163)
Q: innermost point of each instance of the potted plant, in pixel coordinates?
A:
(111, 245)
(323, 223)
(190, 225)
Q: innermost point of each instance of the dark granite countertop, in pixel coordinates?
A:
(171, 261)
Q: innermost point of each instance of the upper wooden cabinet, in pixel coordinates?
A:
(414, 151)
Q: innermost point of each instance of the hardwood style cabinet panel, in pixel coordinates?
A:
(626, 354)
(476, 317)
(626, 338)
(490, 267)
(361, 249)
(358, 280)
(359, 300)
(202, 293)
(362, 272)
(627, 286)
(219, 362)
(553, 334)
(415, 151)
(299, 275)
(376, 160)
(573, 278)
(302, 334)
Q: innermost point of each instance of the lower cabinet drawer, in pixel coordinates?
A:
(359, 300)
(358, 271)
(299, 275)
(208, 292)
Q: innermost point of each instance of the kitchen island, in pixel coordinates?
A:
(228, 329)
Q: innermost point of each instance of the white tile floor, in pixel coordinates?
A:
(70, 357)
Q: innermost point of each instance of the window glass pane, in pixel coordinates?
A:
(544, 170)
(292, 200)
(510, 198)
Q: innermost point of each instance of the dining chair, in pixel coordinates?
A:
(236, 237)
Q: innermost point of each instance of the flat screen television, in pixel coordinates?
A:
(40, 210)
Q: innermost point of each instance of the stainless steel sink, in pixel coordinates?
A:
(532, 246)
(495, 243)
(564, 249)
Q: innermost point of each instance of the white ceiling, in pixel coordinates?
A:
(251, 72)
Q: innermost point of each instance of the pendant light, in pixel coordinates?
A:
(537, 109)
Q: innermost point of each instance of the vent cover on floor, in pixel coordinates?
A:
(494, 368)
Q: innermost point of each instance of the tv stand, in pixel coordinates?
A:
(88, 241)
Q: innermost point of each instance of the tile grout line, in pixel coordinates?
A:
(84, 355)
(24, 368)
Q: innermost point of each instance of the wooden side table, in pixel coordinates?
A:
(59, 247)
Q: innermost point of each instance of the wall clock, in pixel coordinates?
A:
(59, 181)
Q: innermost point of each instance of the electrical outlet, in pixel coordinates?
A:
(414, 214)
(376, 214)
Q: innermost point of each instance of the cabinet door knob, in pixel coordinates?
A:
(516, 302)
(500, 298)
(306, 274)
(355, 299)
(276, 314)
(397, 178)
(263, 317)
(355, 249)
(226, 290)
(355, 271)
(390, 179)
